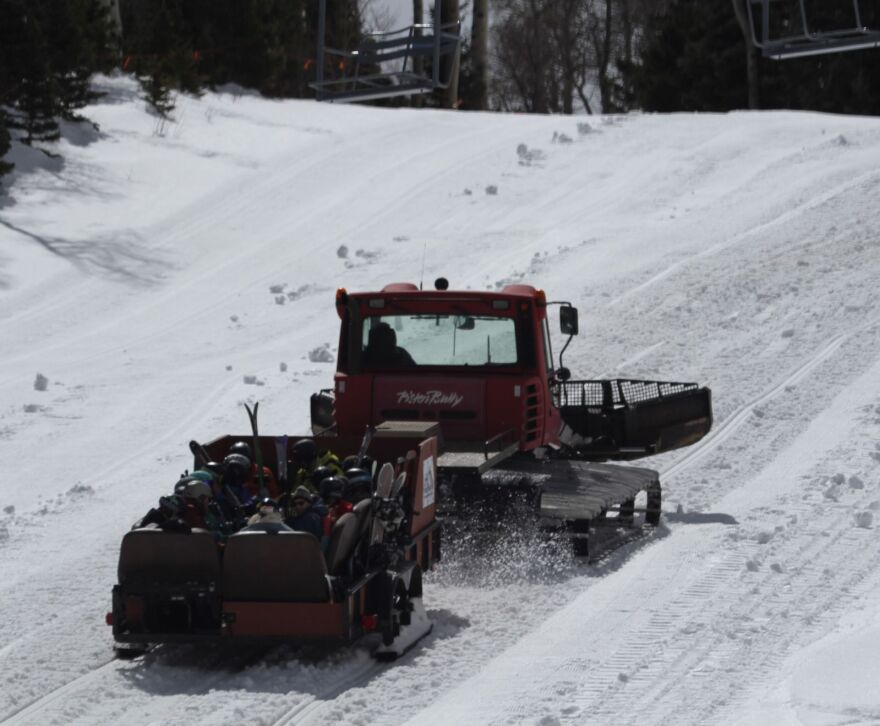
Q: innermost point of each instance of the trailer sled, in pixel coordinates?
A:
(256, 586)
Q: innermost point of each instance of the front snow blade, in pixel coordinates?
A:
(628, 419)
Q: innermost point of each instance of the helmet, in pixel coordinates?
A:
(203, 475)
(304, 452)
(360, 484)
(237, 468)
(182, 483)
(197, 490)
(267, 506)
(321, 473)
(243, 448)
(351, 462)
(333, 487)
(213, 467)
(356, 475)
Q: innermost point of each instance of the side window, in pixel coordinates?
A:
(548, 351)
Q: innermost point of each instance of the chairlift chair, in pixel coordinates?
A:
(785, 29)
(398, 54)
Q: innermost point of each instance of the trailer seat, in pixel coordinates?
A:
(282, 567)
(362, 512)
(150, 557)
(343, 540)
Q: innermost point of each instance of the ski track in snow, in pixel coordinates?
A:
(753, 274)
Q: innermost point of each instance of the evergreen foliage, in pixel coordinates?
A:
(266, 45)
(694, 59)
(5, 167)
(48, 52)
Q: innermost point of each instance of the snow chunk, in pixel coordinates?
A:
(233, 318)
(751, 566)
(252, 381)
(856, 483)
(277, 289)
(776, 567)
(41, 383)
(10, 509)
(529, 156)
(788, 333)
(80, 490)
(342, 252)
(864, 520)
(280, 299)
(283, 367)
(321, 354)
(32, 408)
(764, 537)
(492, 190)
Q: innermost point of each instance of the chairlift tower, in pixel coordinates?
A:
(795, 28)
(387, 64)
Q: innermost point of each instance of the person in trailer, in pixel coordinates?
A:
(199, 508)
(307, 460)
(333, 494)
(360, 484)
(226, 501)
(252, 482)
(302, 515)
(267, 518)
(236, 471)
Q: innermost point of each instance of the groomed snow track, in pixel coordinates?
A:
(738, 251)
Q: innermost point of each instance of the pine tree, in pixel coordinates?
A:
(8, 82)
(5, 143)
(693, 59)
(32, 103)
(158, 48)
(80, 43)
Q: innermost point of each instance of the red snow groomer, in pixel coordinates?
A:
(186, 586)
(512, 423)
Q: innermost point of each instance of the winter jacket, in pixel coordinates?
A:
(253, 484)
(307, 521)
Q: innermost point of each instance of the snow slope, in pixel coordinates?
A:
(737, 250)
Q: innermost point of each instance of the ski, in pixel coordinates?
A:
(383, 491)
(281, 458)
(365, 444)
(252, 415)
(398, 484)
(200, 454)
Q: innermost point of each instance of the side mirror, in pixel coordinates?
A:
(465, 322)
(563, 374)
(568, 320)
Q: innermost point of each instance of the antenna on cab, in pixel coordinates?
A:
(424, 254)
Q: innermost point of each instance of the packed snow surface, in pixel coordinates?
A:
(163, 273)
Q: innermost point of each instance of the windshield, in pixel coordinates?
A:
(403, 341)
